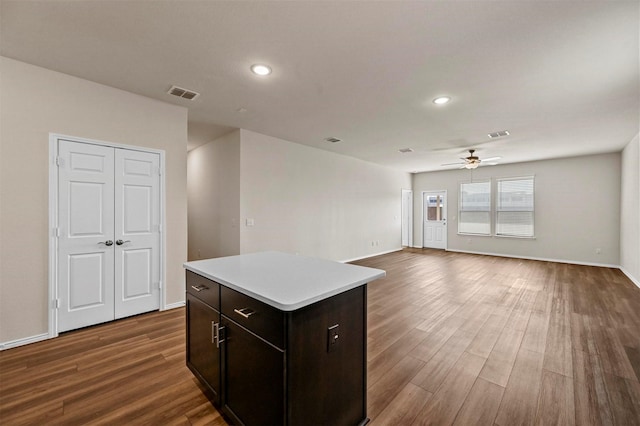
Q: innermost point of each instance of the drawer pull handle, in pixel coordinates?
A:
(200, 287)
(245, 312)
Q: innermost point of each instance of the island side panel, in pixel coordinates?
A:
(327, 383)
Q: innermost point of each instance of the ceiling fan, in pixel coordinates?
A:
(472, 161)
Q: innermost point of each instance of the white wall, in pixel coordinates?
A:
(577, 209)
(36, 101)
(630, 211)
(316, 203)
(213, 183)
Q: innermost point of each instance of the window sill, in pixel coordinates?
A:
(464, 234)
(515, 236)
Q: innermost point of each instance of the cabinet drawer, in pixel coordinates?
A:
(204, 289)
(264, 320)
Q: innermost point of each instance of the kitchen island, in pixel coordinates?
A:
(280, 339)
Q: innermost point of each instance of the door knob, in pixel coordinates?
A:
(106, 243)
(120, 242)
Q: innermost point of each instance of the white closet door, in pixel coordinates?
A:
(137, 232)
(86, 227)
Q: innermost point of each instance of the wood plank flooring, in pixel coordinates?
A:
(454, 339)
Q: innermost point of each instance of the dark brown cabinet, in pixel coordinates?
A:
(203, 319)
(254, 378)
(203, 357)
(266, 366)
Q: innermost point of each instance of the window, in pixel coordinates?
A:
(474, 213)
(514, 207)
(434, 207)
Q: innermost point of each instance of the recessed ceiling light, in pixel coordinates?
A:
(441, 100)
(405, 150)
(261, 69)
(332, 139)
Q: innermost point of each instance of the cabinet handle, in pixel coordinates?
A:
(200, 287)
(219, 341)
(245, 312)
(215, 334)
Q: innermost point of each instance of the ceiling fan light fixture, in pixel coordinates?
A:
(441, 100)
(472, 165)
(261, 69)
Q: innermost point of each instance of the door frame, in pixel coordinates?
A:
(409, 223)
(446, 207)
(53, 220)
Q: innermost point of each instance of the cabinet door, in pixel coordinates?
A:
(253, 378)
(203, 357)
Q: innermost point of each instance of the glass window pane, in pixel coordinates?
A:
(474, 208)
(474, 223)
(515, 207)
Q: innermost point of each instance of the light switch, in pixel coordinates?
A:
(250, 222)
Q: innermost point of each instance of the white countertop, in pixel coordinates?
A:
(284, 281)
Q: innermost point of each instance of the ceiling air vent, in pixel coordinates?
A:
(333, 140)
(405, 150)
(499, 134)
(183, 93)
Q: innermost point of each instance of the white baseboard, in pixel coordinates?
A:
(370, 255)
(24, 341)
(631, 277)
(174, 305)
(542, 259)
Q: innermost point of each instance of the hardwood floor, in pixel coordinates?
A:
(453, 339)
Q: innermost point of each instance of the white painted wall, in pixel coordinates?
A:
(577, 209)
(36, 101)
(213, 182)
(316, 203)
(630, 210)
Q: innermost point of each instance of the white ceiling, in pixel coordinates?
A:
(563, 76)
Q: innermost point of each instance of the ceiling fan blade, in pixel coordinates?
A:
(491, 159)
(452, 164)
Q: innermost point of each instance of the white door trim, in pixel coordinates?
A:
(446, 245)
(409, 223)
(53, 220)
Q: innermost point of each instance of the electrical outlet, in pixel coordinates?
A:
(332, 337)
(598, 250)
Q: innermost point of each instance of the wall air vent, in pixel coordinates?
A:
(183, 93)
(405, 150)
(499, 134)
(333, 140)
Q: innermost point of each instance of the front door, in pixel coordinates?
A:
(108, 233)
(434, 219)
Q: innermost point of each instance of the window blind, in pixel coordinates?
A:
(515, 207)
(474, 208)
